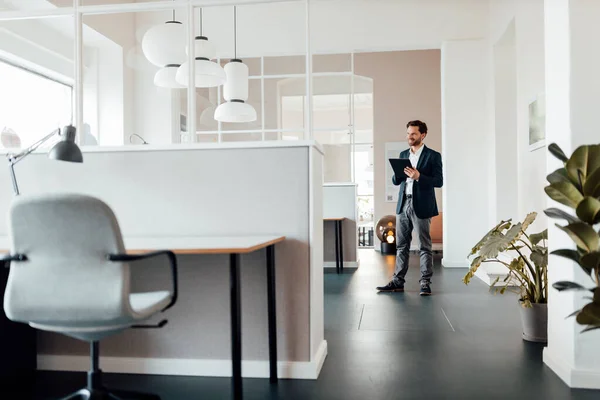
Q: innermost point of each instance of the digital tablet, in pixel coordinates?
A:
(398, 165)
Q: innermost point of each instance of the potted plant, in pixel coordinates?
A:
(577, 186)
(526, 259)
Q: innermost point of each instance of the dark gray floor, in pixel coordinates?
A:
(460, 343)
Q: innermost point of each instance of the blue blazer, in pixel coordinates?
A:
(430, 168)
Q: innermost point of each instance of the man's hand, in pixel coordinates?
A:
(412, 173)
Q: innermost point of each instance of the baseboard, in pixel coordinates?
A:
(320, 358)
(186, 367)
(572, 377)
(347, 264)
(454, 264)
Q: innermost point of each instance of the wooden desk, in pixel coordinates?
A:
(339, 244)
(234, 246)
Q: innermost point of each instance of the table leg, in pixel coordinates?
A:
(271, 300)
(337, 248)
(236, 325)
(341, 248)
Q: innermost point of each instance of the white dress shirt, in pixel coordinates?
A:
(414, 160)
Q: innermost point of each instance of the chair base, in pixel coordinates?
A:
(107, 394)
(95, 389)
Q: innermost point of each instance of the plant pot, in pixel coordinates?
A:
(535, 322)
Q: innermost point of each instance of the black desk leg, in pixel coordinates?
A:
(271, 300)
(236, 325)
(341, 247)
(337, 248)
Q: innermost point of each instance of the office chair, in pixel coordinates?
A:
(69, 274)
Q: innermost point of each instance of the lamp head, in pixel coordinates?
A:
(66, 149)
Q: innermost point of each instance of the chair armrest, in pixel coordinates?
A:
(7, 258)
(137, 257)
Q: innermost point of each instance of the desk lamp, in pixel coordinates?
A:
(65, 150)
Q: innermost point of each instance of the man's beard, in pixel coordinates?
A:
(416, 142)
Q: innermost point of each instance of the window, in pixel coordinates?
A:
(31, 106)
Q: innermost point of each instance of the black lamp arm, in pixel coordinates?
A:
(15, 158)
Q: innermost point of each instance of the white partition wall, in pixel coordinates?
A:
(262, 189)
(464, 114)
(339, 201)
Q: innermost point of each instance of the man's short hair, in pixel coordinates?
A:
(419, 124)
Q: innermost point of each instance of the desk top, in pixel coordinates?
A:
(192, 244)
(201, 244)
(334, 219)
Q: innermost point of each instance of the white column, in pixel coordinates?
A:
(572, 90)
(467, 146)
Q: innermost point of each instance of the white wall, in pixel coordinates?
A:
(465, 144)
(530, 179)
(572, 90)
(505, 124)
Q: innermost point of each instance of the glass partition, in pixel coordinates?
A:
(129, 84)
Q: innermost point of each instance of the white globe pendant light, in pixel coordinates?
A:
(163, 45)
(235, 89)
(235, 93)
(207, 73)
(165, 77)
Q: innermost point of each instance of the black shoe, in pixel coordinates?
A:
(391, 287)
(425, 289)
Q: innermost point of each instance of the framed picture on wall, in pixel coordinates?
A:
(537, 123)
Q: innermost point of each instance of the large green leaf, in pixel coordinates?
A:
(539, 257)
(565, 193)
(497, 243)
(572, 255)
(529, 219)
(475, 264)
(535, 238)
(591, 261)
(560, 175)
(567, 285)
(583, 235)
(584, 161)
(592, 184)
(589, 314)
(557, 213)
(588, 210)
(502, 225)
(557, 152)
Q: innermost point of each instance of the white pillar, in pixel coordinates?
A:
(467, 147)
(572, 92)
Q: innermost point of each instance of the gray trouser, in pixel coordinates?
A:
(405, 222)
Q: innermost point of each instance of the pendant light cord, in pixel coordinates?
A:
(234, 32)
(173, 12)
(200, 21)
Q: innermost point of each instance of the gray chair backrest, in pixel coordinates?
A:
(66, 279)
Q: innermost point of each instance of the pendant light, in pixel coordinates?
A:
(207, 73)
(235, 90)
(163, 46)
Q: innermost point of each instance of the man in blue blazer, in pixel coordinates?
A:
(416, 206)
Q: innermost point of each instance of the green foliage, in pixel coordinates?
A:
(577, 185)
(531, 273)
